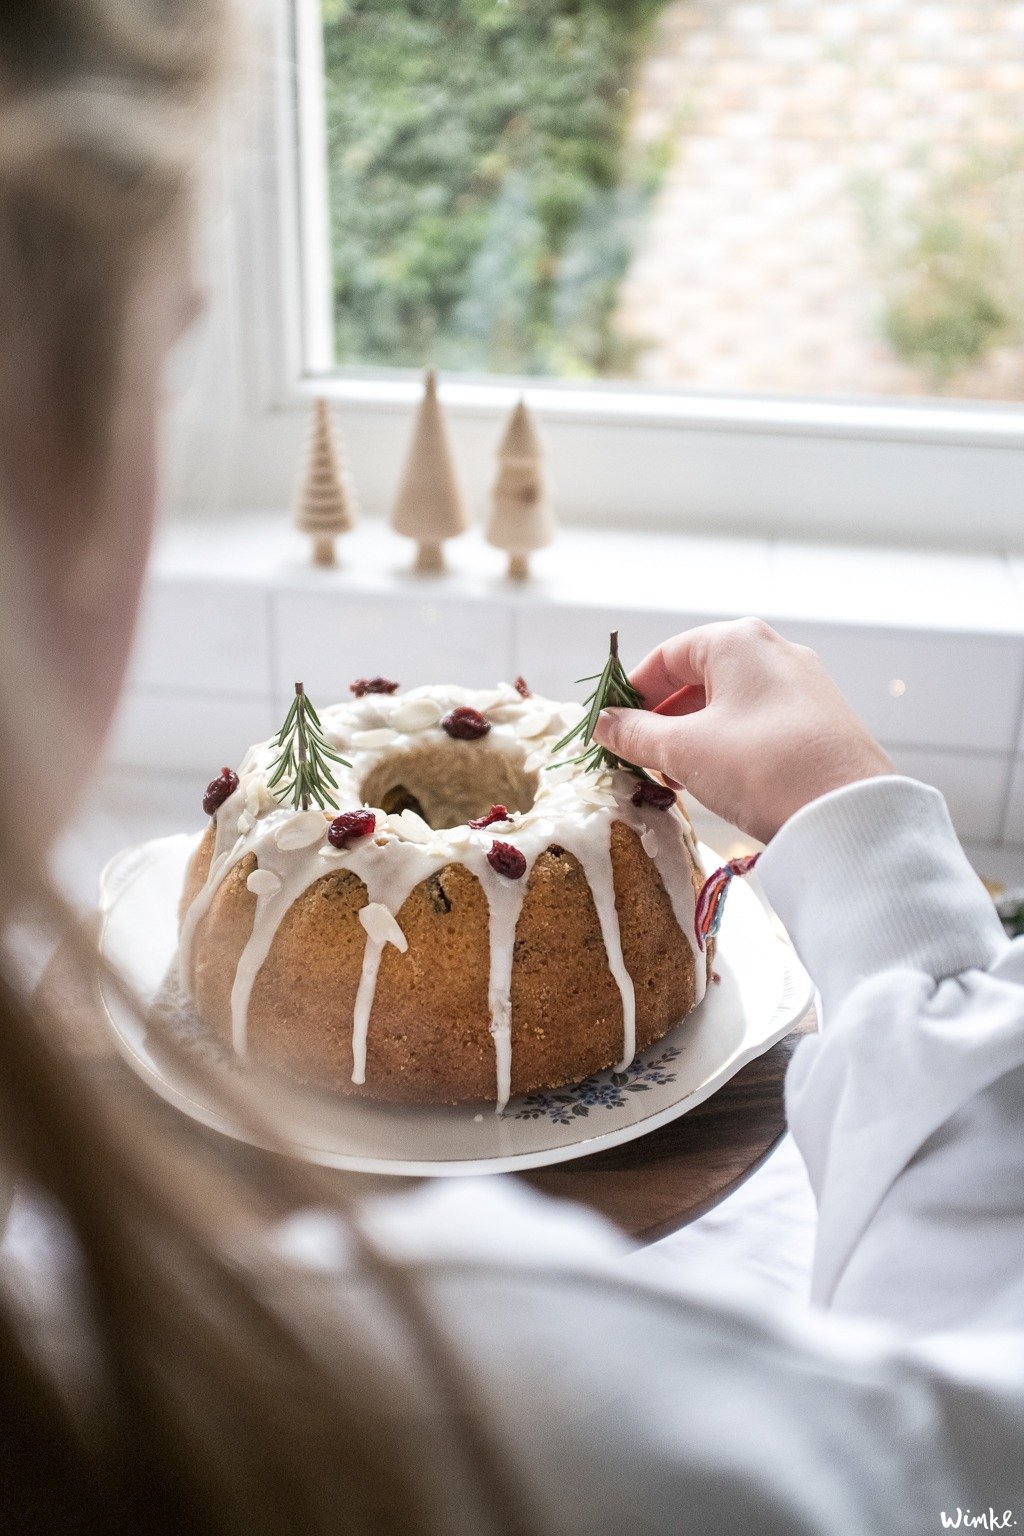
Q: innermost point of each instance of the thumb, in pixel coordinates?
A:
(669, 743)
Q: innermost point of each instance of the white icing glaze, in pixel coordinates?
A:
(594, 851)
(575, 810)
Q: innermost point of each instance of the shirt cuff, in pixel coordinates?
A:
(871, 877)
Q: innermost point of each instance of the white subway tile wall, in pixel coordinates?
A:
(928, 647)
(204, 636)
(172, 732)
(973, 783)
(327, 639)
(924, 688)
(556, 646)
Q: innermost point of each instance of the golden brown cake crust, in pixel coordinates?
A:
(429, 1038)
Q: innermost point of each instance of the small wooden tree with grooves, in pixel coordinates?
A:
(521, 519)
(324, 505)
(430, 506)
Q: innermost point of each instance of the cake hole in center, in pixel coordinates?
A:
(449, 786)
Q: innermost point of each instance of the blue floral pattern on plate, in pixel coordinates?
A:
(606, 1090)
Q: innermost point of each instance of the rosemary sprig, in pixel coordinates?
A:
(302, 772)
(614, 690)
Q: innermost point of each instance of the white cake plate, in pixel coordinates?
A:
(762, 993)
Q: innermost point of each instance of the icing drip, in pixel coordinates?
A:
(269, 912)
(390, 873)
(296, 870)
(228, 848)
(595, 855)
(364, 1007)
(574, 810)
(505, 902)
(674, 859)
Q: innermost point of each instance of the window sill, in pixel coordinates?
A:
(965, 423)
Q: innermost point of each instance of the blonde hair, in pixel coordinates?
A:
(224, 1396)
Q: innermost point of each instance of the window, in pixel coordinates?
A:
(758, 266)
(770, 195)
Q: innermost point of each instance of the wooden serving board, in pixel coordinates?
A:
(656, 1184)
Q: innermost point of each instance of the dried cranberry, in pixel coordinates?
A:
(345, 828)
(364, 685)
(466, 724)
(496, 813)
(659, 796)
(522, 687)
(508, 861)
(218, 790)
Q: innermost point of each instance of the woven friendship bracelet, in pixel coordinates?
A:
(711, 902)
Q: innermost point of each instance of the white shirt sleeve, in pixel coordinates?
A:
(908, 1107)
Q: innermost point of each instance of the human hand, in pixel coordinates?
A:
(758, 729)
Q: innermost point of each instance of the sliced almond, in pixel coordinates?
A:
(263, 882)
(534, 722)
(410, 827)
(594, 800)
(416, 715)
(370, 741)
(485, 699)
(381, 926)
(559, 774)
(301, 831)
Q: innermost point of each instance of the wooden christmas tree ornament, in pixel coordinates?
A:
(324, 505)
(521, 519)
(430, 506)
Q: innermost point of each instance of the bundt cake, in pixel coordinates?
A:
(473, 920)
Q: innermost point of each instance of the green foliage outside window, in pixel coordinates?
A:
(947, 308)
(484, 203)
(951, 263)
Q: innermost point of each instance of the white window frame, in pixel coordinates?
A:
(915, 472)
